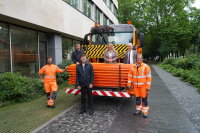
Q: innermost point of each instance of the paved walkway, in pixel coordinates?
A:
(116, 115)
(166, 114)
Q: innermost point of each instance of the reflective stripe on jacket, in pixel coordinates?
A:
(140, 76)
(50, 72)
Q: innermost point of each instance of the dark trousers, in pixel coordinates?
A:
(143, 100)
(52, 95)
(86, 91)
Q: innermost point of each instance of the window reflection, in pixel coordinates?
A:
(67, 48)
(43, 48)
(24, 51)
(4, 48)
(87, 8)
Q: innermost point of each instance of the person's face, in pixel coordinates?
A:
(78, 47)
(49, 60)
(130, 47)
(139, 59)
(109, 47)
(83, 59)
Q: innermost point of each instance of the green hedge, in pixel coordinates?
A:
(189, 62)
(191, 76)
(62, 77)
(17, 88)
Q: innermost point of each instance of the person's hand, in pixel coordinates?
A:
(110, 60)
(90, 86)
(77, 63)
(79, 87)
(66, 68)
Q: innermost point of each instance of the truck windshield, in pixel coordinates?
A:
(114, 38)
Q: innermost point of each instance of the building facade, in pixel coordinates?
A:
(31, 30)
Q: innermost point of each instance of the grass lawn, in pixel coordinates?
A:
(25, 117)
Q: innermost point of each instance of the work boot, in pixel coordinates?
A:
(137, 112)
(82, 111)
(50, 103)
(145, 115)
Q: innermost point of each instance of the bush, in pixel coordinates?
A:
(194, 61)
(169, 61)
(178, 72)
(62, 77)
(14, 87)
(65, 63)
(182, 63)
(189, 62)
(187, 68)
(38, 86)
(196, 66)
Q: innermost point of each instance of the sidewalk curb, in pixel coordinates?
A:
(54, 118)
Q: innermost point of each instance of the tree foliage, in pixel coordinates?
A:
(171, 27)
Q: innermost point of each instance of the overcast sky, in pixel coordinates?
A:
(196, 4)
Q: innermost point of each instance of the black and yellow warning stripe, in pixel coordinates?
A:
(97, 51)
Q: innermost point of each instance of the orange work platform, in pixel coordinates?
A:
(105, 75)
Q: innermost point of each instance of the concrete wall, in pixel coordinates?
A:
(55, 48)
(55, 15)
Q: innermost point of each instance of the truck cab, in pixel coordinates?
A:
(119, 35)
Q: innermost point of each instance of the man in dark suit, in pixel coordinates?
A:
(130, 55)
(84, 81)
(77, 54)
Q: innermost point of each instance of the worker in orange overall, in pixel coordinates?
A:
(139, 78)
(49, 80)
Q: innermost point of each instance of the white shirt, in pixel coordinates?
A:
(83, 67)
(130, 58)
(110, 55)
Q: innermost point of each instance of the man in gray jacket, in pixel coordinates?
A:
(131, 55)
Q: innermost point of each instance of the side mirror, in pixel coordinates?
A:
(141, 39)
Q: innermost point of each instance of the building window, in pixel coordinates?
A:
(42, 49)
(75, 42)
(97, 15)
(67, 48)
(74, 3)
(109, 3)
(92, 11)
(115, 11)
(4, 48)
(105, 19)
(111, 7)
(24, 51)
(68, 1)
(87, 8)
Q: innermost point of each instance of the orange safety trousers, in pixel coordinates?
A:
(50, 84)
(51, 88)
(141, 99)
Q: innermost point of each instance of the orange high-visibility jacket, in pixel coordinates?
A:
(140, 76)
(50, 72)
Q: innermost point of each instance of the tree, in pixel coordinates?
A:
(166, 23)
